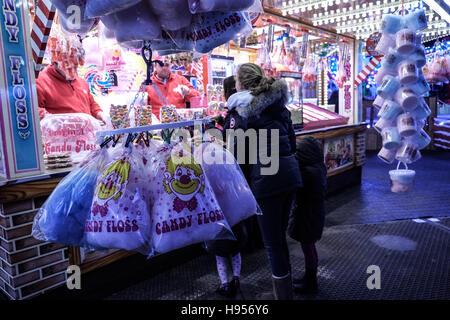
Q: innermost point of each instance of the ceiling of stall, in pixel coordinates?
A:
(360, 18)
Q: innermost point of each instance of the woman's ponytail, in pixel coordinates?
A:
(252, 78)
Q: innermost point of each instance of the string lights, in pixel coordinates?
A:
(350, 16)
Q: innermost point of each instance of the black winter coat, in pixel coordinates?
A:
(307, 220)
(267, 111)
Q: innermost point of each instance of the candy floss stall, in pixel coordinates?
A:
(75, 191)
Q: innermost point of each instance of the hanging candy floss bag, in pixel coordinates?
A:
(185, 210)
(402, 180)
(62, 217)
(119, 216)
(228, 183)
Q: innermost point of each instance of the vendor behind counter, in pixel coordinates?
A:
(57, 93)
(175, 88)
(59, 89)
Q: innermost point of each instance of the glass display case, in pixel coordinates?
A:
(295, 102)
(221, 68)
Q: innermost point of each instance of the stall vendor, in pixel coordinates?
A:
(59, 93)
(173, 87)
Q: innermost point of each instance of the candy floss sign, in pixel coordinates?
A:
(20, 131)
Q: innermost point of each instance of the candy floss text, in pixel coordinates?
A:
(220, 26)
(111, 226)
(181, 223)
(19, 92)
(79, 146)
(11, 21)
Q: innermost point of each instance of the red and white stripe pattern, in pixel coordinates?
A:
(373, 63)
(42, 24)
(313, 114)
(133, 79)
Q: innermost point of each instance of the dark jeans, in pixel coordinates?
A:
(273, 224)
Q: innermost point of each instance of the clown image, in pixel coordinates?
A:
(113, 182)
(185, 179)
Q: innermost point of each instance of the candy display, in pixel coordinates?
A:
(119, 216)
(192, 113)
(62, 217)
(438, 69)
(401, 86)
(185, 209)
(143, 116)
(228, 182)
(118, 113)
(343, 72)
(72, 133)
(66, 50)
(169, 114)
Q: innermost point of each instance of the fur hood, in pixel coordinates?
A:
(278, 92)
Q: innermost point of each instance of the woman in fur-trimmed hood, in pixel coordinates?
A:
(260, 104)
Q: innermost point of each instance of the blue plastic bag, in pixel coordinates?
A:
(62, 217)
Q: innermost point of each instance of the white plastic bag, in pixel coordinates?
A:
(185, 210)
(120, 217)
(228, 182)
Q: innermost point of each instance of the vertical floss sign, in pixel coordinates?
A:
(20, 129)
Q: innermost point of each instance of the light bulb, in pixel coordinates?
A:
(316, 6)
(303, 9)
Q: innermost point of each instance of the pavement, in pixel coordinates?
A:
(406, 237)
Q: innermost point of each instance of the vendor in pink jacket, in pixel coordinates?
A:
(175, 88)
(57, 93)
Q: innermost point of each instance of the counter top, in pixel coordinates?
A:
(48, 174)
(328, 132)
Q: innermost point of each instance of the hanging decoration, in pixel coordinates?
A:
(401, 86)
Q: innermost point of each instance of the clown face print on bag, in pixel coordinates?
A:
(120, 216)
(185, 210)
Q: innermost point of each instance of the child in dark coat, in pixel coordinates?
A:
(306, 221)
